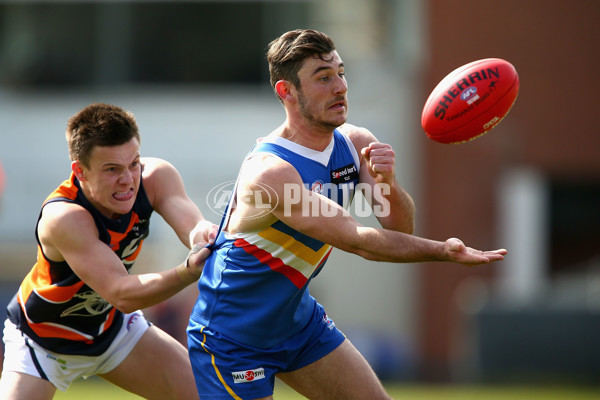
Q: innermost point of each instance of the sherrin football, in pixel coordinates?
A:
(470, 101)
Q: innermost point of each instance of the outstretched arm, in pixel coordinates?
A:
(319, 217)
(68, 232)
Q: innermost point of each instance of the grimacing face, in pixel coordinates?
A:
(112, 179)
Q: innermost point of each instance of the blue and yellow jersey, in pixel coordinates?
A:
(254, 287)
(58, 310)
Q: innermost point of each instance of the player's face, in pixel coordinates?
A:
(322, 95)
(113, 178)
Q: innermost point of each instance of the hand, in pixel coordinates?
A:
(458, 252)
(196, 258)
(204, 231)
(380, 159)
(192, 267)
(210, 233)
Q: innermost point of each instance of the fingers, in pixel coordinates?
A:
(192, 268)
(201, 255)
(470, 257)
(496, 255)
(380, 158)
(209, 233)
(377, 153)
(212, 234)
(197, 255)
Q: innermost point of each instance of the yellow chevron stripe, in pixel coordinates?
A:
(212, 358)
(292, 245)
(288, 258)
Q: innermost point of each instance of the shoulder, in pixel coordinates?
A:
(160, 179)
(62, 213)
(61, 222)
(263, 169)
(155, 167)
(360, 137)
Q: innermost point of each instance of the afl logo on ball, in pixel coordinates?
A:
(468, 93)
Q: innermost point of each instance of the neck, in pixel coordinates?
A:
(316, 138)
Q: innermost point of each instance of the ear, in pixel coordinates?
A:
(77, 169)
(283, 89)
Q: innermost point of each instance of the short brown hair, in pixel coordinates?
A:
(99, 125)
(287, 53)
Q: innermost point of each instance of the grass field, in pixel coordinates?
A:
(96, 389)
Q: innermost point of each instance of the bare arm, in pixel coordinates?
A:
(168, 197)
(68, 232)
(392, 205)
(324, 220)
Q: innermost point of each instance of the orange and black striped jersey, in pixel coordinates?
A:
(58, 310)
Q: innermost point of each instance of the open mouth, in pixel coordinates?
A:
(123, 196)
(340, 105)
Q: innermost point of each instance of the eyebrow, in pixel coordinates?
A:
(321, 68)
(114, 164)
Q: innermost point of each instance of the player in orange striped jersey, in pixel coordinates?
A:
(76, 313)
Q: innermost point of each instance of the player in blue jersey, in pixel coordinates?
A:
(255, 319)
(76, 313)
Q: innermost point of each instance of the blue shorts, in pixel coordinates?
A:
(225, 369)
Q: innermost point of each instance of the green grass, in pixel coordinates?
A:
(96, 389)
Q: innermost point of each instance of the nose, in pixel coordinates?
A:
(341, 85)
(126, 177)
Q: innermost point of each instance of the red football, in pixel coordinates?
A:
(470, 101)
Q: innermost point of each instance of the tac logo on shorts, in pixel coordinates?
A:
(248, 376)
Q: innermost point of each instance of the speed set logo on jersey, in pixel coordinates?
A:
(344, 174)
